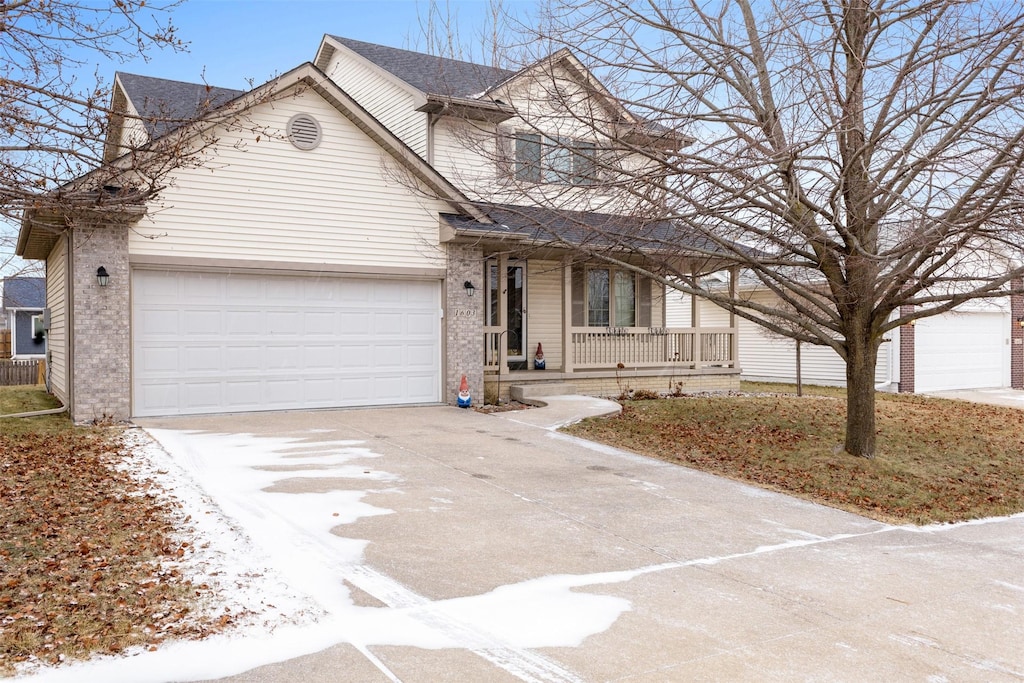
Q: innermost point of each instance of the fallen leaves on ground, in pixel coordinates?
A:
(87, 554)
(938, 461)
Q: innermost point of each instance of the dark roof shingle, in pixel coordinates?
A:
(542, 225)
(428, 73)
(165, 105)
(24, 292)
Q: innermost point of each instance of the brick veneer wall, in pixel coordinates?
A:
(906, 354)
(464, 323)
(1016, 337)
(611, 386)
(101, 353)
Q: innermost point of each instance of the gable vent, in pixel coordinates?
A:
(304, 131)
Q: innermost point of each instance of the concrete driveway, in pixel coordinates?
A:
(446, 545)
(998, 396)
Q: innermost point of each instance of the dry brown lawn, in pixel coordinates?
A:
(938, 460)
(87, 552)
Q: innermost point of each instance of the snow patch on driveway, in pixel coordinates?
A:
(271, 513)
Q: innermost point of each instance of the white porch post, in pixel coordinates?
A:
(503, 313)
(734, 348)
(698, 346)
(567, 314)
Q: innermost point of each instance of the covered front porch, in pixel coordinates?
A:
(606, 330)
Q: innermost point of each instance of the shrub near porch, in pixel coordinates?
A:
(939, 460)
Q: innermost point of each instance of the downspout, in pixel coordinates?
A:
(36, 413)
(69, 316)
(887, 384)
(432, 120)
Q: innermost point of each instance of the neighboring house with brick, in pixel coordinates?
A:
(351, 246)
(22, 301)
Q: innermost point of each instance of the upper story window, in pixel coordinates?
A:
(541, 159)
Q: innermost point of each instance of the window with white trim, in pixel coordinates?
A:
(540, 159)
(610, 297)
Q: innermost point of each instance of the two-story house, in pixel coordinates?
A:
(364, 230)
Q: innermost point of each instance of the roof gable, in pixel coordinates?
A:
(429, 74)
(488, 87)
(165, 105)
(35, 241)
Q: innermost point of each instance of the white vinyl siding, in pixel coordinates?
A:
(479, 157)
(390, 103)
(133, 131)
(763, 357)
(465, 153)
(57, 302)
(766, 357)
(209, 342)
(544, 313)
(657, 299)
(262, 199)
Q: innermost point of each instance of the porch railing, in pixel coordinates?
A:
(593, 348)
(638, 347)
(493, 338)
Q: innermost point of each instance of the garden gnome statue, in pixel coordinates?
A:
(464, 398)
(538, 360)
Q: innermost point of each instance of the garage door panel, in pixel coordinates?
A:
(203, 394)
(356, 325)
(354, 389)
(215, 342)
(387, 323)
(243, 323)
(961, 351)
(158, 321)
(319, 322)
(160, 287)
(284, 358)
(420, 356)
(197, 322)
(354, 357)
(242, 394)
(158, 359)
(203, 359)
(242, 359)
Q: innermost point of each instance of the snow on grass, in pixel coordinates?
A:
(268, 515)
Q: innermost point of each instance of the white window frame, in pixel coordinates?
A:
(613, 273)
(554, 160)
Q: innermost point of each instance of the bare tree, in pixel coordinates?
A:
(54, 116)
(862, 158)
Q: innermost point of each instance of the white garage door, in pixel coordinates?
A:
(961, 351)
(220, 342)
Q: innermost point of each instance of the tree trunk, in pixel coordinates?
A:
(860, 397)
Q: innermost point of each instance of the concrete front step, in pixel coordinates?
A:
(528, 393)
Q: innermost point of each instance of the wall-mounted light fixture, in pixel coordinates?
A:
(470, 289)
(1020, 320)
(102, 277)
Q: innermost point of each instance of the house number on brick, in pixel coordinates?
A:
(465, 313)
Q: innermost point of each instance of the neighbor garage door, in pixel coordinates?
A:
(961, 351)
(220, 342)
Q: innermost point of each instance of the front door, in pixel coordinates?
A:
(515, 298)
